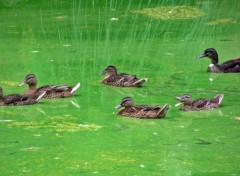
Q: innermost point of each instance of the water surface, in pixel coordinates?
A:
(65, 42)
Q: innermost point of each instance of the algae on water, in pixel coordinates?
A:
(221, 21)
(171, 12)
(57, 126)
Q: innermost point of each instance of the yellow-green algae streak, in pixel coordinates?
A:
(56, 123)
(221, 21)
(171, 12)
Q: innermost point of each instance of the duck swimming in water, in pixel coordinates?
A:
(199, 104)
(231, 66)
(52, 91)
(19, 99)
(141, 111)
(113, 78)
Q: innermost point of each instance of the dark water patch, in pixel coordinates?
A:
(226, 40)
(202, 142)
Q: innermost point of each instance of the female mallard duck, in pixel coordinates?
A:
(199, 104)
(141, 111)
(19, 99)
(120, 79)
(231, 66)
(52, 91)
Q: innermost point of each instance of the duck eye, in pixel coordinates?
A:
(29, 78)
(123, 102)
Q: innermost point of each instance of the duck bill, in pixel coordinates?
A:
(201, 56)
(118, 106)
(102, 73)
(21, 84)
(179, 99)
(178, 104)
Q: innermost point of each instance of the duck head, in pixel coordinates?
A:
(212, 54)
(126, 102)
(30, 79)
(109, 71)
(184, 99)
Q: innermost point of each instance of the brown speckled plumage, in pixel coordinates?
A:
(199, 104)
(141, 111)
(113, 78)
(52, 91)
(19, 99)
(231, 66)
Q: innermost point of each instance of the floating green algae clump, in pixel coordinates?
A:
(221, 21)
(171, 12)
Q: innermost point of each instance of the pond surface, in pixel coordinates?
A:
(65, 42)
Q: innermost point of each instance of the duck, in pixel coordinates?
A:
(52, 91)
(231, 66)
(19, 99)
(199, 104)
(113, 78)
(141, 111)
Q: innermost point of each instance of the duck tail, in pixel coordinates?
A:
(140, 81)
(219, 98)
(163, 111)
(75, 88)
(40, 95)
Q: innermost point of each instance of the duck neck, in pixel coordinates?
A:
(188, 102)
(32, 86)
(214, 59)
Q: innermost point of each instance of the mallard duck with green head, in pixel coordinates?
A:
(231, 66)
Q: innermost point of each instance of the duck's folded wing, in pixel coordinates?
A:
(45, 88)
(128, 77)
(231, 64)
(55, 88)
(148, 108)
(200, 103)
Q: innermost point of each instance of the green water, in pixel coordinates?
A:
(65, 42)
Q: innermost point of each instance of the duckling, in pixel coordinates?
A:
(52, 91)
(141, 111)
(19, 99)
(199, 104)
(231, 66)
(113, 78)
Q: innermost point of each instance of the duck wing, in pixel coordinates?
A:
(126, 77)
(132, 80)
(54, 88)
(200, 103)
(231, 65)
(114, 78)
(148, 108)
